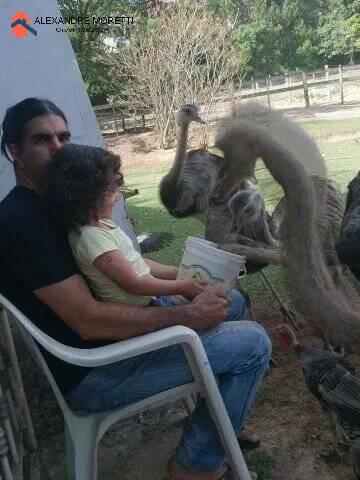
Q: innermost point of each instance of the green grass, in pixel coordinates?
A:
(262, 463)
(342, 159)
(320, 128)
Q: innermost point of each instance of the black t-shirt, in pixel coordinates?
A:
(35, 254)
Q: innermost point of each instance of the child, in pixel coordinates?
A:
(82, 186)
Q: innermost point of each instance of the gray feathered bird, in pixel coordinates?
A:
(348, 247)
(331, 378)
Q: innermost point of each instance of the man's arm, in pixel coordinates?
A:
(73, 302)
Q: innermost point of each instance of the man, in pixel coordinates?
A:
(38, 274)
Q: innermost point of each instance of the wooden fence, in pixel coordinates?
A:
(304, 85)
(116, 119)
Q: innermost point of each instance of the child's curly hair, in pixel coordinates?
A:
(79, 178)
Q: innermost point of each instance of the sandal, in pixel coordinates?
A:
(248, 439)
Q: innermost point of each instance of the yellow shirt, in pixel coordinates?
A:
(89, 242)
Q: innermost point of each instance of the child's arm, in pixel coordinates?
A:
(114, 266)
(158, 270)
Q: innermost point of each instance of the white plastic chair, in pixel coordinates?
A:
(84, 430)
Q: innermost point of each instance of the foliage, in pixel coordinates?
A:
(274, 36)
(353, 31)
(96, 76)
(235, 11)
(262, 38)
(339, 30)
(300, 19)
(288, 35)
(175, 58)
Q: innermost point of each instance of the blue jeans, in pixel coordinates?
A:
(239, 354)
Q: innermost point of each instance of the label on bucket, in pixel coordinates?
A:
(198, 273)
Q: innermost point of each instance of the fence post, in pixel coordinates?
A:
(328, 81)
(252, 83)
(341, 85)
(257, 87)
(115, 122)
(270, 81)
(290, 85)
(267, 92)
(306, 90)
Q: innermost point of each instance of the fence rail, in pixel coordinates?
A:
(116, 118)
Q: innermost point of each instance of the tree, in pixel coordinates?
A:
(235, 11)
(300, 20)
(262, 38)
(95, 74)
(339, 30)
(181, 56)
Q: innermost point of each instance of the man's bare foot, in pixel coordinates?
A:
(248, 439)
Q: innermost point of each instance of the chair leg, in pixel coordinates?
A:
(81, 450)
(204, 376)
(4, 461)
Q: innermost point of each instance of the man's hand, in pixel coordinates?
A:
(192, 288)
(209, 308)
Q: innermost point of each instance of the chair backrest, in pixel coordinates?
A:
(68, 354)
(74, 356)
(35, 353)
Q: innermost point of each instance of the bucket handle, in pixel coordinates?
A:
(242, 272)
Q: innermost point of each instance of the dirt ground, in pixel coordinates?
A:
(296, 439)
(295, 435)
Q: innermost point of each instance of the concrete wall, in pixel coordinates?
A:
(44, 66)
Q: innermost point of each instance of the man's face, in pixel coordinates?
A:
(43, 136)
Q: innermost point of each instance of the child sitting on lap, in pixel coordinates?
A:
(82, 188)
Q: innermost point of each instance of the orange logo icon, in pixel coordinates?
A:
(20, 25)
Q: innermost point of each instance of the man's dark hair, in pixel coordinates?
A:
(79, 177)
(17, 116)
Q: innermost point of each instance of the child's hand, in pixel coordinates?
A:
(192, 287)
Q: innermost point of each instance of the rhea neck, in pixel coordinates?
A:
(181, 147)
(268, 236)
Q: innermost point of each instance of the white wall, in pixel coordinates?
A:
(43, 66)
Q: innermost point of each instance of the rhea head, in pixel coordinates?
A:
(188, 113)
(246, 207)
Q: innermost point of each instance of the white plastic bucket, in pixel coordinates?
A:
(203, 261)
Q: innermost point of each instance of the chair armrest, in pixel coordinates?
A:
(114, 352)
(124, 349)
